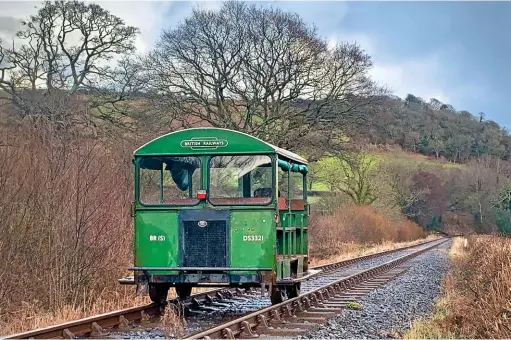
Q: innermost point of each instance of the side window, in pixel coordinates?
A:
(240, 180)
(261, 181)
(282, 178)
(296, 184)
(149, 184)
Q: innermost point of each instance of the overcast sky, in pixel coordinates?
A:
(456, 52)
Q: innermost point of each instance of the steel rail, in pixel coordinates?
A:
(122, 318)
(336, 265)
(262, 319)
(94, 324)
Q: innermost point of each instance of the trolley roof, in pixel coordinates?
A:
(213, 141)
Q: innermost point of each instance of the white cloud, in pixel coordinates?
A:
(11, 14)
(17, 9)
(364, 41)
(148, 16)
(420, 76)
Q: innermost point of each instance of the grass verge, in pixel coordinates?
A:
(476, 301)
(353, 250)
(31, 316)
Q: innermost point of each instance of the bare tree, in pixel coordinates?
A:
(349, 173)
(356, 182)
(437, 145)
(64, 49)
(65, 217)
(257, 70)
(399, 174)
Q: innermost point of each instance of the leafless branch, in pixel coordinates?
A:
(66, 48)
(257, 70)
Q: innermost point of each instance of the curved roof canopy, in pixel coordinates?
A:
(215, 141)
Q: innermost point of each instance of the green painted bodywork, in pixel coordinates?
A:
(173, 144)
(156, 254)
(298, 222)
(242, 254)
(162, 221)
(252, 254)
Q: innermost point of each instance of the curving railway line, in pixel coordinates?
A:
(236, 313)
(323, 300)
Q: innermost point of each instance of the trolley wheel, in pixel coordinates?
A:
(293, 290)
(276, 295)
(158, 292)
(183, 291)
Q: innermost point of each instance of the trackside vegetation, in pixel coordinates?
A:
(476, 299)
(381, 170)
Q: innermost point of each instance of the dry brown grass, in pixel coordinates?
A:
(457, 248)
(172, 292)
(33, 315)
(172, 323)
(477, 296)
(352, 229)
(352, 250)
(479, 288)
(30, 316)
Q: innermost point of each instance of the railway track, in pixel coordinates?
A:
(298, 315)
(330, 281)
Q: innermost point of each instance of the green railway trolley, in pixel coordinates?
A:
(219, 208)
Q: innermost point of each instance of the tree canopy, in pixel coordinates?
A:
(436, 129)
(66, 47)
(258, 70)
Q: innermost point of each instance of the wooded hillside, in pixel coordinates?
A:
(436, 129)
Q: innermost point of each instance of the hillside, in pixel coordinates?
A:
(436, 129)
(435, 193)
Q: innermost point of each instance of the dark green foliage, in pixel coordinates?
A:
(503, 221)
(502, 205)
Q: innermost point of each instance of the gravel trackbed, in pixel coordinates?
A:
(388, 311)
